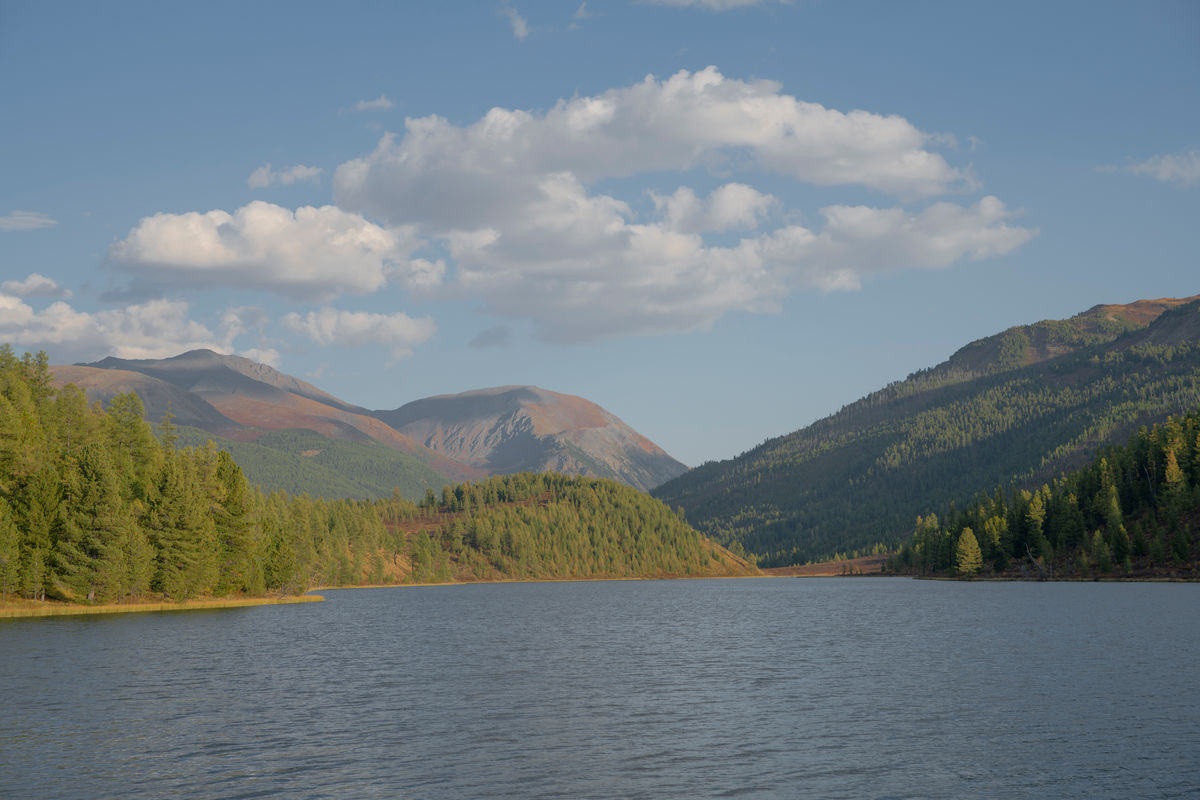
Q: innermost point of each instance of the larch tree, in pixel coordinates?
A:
(968, 556)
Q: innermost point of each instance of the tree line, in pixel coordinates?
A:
(96, 505)
(552, 525)
(853, 482)
(1135, 507)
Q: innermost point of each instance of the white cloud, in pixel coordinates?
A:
(268, 356)
(25, 221)
(520, 28)
(239, 320)
(443, 175)
(581, 271)
(306, 253)
(398, 332)
(264, 176)
(156, 329)
(36, 285)
(508, 198)
(578, 17)
(858, 241)
(734, 206)
(1180, 168)
(381, 103)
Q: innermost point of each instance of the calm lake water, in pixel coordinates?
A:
(767, 688)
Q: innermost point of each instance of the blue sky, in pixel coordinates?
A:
(720, 223)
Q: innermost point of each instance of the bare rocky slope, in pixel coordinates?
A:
(527, 429)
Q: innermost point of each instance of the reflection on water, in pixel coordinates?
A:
(750, 688)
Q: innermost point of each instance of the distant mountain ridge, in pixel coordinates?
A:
(1022, 345)
(239, 400)
(1020, 406)
(524, 428)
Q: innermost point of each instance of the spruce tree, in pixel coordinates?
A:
(91, 529)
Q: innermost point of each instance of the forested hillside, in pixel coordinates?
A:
(1134, 509)
(302, 461)
(1019, 407)
(95, 508)
(550, 525)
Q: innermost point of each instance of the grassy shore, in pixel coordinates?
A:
(33, 608)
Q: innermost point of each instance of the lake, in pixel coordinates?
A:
(837, 687)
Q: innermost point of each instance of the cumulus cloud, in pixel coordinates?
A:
(264, 176)
(858, 241)
(734, 206)
(398, 332)
(381, 103)
(509, 198)
(1182, 168)
(36, 285)
(449, 176)
(156, 329)
(591, 275)
(307, 253)
(25, 221)
(268, 356)
(520, 28)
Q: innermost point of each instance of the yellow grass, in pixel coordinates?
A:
(32, 608)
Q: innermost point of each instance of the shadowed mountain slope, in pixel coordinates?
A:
(206, 372)
(1018, 407)
(157, 396)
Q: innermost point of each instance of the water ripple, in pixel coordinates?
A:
(747, 689)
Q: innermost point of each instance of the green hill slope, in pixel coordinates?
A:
(1133, 511)
(1017, 407)
(301, 461)
(549, 526)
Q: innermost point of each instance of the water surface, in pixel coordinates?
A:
(852, 688)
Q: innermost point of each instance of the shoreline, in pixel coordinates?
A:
(33, 608)
(585, 579)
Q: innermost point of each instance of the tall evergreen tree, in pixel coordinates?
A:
(10, 551)
(91, 530)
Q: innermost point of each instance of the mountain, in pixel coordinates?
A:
(1015, 408)
(512, 429)
(256, 397)
(157, 396)
(290, 435)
